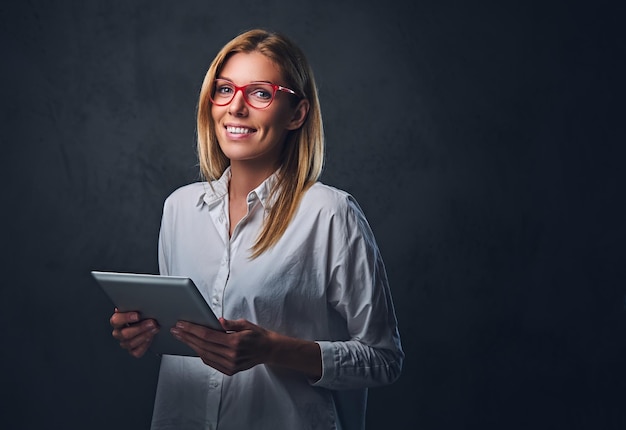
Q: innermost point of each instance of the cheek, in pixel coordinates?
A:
(217, 112)
(280, 119)
(215, 122)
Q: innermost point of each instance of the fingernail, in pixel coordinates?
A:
(180, 325)
(155, 330)
(174, 331)
(134, 317)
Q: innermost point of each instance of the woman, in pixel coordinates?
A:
(289, 264)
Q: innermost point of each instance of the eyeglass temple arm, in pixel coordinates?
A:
(281, 88)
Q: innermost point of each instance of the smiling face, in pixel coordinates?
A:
(247, 135)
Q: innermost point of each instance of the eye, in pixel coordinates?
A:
(223, 89)
(260, 92)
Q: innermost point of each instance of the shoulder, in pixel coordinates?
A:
(336, 203)
(337, 214)
(326, 197)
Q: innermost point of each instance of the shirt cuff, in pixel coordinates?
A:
(329, 368)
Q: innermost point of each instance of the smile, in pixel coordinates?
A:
(239, 130)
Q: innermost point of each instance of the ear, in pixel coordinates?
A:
(299, 115)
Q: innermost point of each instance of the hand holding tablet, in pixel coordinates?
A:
(166, 299)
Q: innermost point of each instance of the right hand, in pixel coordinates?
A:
(134, 334)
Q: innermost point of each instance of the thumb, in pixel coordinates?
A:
(235, 325)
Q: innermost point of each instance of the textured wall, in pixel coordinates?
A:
(483, 140)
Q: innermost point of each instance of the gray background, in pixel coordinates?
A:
(482, 139)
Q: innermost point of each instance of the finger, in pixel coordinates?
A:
(199, 338)
(134, 337)
(140, 351)
(125, 332)
(143, 340)
(221, 357)
(234, 350)
(120, 319)
(212, 355)
(219, 363)
(138, 344)
(202, 333)
(138, 347)
(236, 325)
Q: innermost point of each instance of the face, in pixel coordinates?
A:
(249, 135)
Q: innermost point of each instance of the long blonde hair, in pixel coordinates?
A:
(302, 156)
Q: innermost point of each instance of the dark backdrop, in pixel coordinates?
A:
(482, 139)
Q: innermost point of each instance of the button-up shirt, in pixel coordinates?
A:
(323, 281)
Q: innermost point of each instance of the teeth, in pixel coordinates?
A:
(238, 130)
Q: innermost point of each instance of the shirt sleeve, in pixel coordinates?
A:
(359, 292)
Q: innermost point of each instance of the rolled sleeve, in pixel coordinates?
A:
(351, 364)
(329, 365)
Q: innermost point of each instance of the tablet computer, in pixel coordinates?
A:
(167, 299)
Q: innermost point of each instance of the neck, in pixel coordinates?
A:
(245, 177)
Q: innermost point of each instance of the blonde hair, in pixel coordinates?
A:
(302, 156)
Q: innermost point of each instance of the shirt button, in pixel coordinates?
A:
(213, 384)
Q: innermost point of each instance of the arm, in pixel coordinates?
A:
(359, 291)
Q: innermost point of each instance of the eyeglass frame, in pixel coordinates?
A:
(242, 88)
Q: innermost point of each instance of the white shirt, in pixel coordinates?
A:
(323, 281)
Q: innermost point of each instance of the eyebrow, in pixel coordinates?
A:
(251, 82)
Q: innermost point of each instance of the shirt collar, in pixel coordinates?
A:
(215, 191)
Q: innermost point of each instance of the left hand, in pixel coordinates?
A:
(243, 346)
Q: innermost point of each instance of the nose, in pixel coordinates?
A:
(237, 106)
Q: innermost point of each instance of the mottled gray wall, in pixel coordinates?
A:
(482, 139)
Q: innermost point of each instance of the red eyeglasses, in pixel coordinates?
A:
(258, 95)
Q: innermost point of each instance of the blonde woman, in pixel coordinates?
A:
(289, 264)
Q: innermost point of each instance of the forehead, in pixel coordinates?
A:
(244, 67)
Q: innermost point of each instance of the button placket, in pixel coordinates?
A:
(217, 292)
(220, 284)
